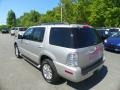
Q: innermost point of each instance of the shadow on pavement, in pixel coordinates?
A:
(90, 82)
(112, 51)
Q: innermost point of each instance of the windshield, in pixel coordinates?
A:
(113, 30)
(116, 35)
(74, 37)
(5, 29)
(22, 29)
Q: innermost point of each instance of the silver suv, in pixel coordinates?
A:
(73, 52)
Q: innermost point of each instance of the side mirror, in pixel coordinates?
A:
(20, 36)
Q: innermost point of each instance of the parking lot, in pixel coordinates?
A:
(17, 74)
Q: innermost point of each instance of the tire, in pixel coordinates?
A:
(50, 74)
(17, 52)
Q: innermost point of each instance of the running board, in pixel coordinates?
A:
(31, 62)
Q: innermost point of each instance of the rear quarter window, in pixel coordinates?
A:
(60, 37)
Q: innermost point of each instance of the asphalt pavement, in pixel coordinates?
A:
(17, 74)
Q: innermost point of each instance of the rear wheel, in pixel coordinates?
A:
(49, 71)
(17, 52)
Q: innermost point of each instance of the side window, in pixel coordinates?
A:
(38, 34)
(28, 34)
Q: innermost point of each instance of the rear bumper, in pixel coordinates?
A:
(12, 33)
(76, 74)
(5, 32)
(92, 67)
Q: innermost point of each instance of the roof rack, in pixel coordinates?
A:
(55, 23)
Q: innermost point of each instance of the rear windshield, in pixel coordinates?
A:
(22, 29)
(74, 37)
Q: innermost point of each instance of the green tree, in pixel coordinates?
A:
(82, 11)
(112, 13)
(30, 19)
(69, 10)
(76, 11)
(51, 16)
(113, 17)
(97, 13)
(11, 19)
(18, 23)
(97, 17)
(105, 13)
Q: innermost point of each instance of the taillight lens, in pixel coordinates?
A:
(72, 60)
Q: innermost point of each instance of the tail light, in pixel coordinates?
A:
(72, 60)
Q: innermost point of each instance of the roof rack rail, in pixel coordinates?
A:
(55, 23)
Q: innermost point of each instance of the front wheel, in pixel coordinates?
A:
(17, 52)
(49, 71)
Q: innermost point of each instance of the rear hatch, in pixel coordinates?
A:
(88, 45)
(83, 40)
(90, 55)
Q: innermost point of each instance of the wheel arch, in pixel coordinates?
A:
(46, 55)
